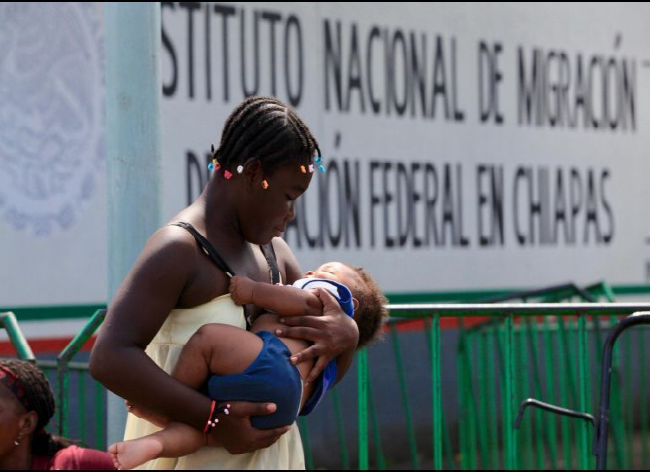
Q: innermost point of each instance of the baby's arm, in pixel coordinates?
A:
(281, 299)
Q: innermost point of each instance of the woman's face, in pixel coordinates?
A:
(268, 211)
(11, 418)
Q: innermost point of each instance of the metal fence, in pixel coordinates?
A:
(499, 364)
(80, 400)
(506, 352)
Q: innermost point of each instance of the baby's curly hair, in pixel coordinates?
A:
(371, 314)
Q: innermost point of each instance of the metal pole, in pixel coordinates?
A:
(133, 146)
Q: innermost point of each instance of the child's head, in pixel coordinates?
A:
(369, 303)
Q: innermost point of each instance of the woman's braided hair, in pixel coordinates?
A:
(41, 400)
(266, 129)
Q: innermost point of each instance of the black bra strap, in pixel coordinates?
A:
(274, 271)
(207, 247)
(211, 251)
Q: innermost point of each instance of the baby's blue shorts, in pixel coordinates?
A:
(270, 378)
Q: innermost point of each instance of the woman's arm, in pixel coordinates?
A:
(141, 305)
(143, 302)
(334, 335)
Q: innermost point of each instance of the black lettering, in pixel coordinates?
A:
(225, 12)
(591, 208)
(352, 203)
(374, 200)
(461, 239)
(256, 54)
(334, 228)
(398, 37)
(448, 207)
(575, 196)
(375, 104)
(404, 186)
(628, 93)
(191, 7)
(520, 174)
(608, 236)
(388, 198)
(439, 79)
(354, 72)
(459, 115)
(333, 64)
(419, 74)
(430, 198)
(416, 197)
(272, 18)
(560, 208)
(295, 96)
(195, 177)
(169, 89)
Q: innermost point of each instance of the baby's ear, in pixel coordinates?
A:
(355, 303)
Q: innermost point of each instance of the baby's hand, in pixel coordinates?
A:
(241, 290)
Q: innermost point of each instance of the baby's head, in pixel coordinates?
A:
(370, 311)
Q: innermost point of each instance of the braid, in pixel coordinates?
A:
(237, 121)
(41, 400)
(266, 129)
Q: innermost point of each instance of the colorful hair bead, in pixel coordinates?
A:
(265, 184)
(240, 169)
(214, 165)
(227, 174)
(321, 168)
(311, 168)
(318, 160)
(303, 170)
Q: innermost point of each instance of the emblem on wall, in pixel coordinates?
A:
(52, 150)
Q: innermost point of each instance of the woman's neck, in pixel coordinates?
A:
(220, 217)
(19, 459)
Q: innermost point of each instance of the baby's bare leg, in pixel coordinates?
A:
(176, 440)
(216, 349)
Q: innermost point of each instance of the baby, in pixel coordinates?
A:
(260, 371)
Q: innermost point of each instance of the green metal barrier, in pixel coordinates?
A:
(58, 372)
(522, 340)
(10, 324)
(555, 341)
(64, 367)
(487, 441)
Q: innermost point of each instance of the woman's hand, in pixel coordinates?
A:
(332, 334)
(236, 433)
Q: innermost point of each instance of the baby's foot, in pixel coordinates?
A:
(131, 454)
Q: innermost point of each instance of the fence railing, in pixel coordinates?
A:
(560, 343)
(59, 372)
(486, 436)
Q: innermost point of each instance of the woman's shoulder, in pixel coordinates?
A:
(171, 241)
(171, 252)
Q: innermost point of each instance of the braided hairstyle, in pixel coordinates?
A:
(41, 400)
(266, 129)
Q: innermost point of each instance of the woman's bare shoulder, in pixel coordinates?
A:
(171, 242)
